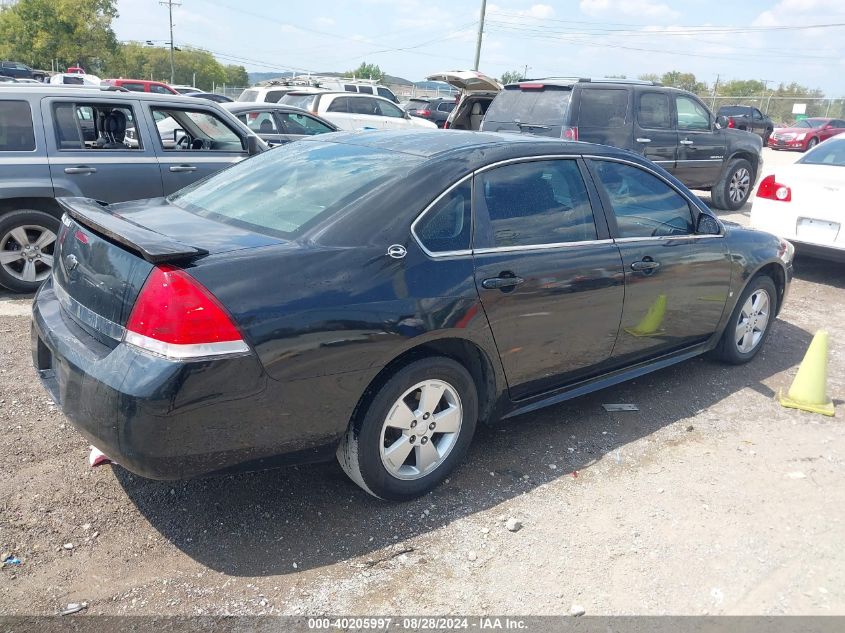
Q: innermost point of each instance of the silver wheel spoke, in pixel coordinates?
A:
(426, 456)
(400, 416)
(47, 260)
(448, 421)
(398, 452)
(430, 396)
(20, 236)
(7, 257)
(740, 333)
(45, 239)
(29, 271)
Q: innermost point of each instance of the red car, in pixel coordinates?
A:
(142, 85)
(805, 134)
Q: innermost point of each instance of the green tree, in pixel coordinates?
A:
(137, 61)
(649, 77)
(236, 76)
(742, 88)
(366, 71)
(70, 31)
(685, 81)
(510, 77)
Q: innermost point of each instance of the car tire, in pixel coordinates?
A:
(26, 271)
(766, 136)
(391, 422)
(734, 187)
(750, 322)
(811, 144)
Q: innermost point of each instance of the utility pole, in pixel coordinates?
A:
(480, 33)
(170, 4)
(715, 90)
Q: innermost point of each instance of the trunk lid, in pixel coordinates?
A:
(104, 254)
(467, 81)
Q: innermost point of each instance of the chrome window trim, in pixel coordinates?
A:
(669, 184)
(536, 247)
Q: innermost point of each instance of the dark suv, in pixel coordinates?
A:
(16, 70)
(671, 127)
(435, 110)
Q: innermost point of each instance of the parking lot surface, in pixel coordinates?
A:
(711, 498)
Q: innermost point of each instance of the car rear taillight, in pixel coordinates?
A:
(531, 86)
(569, 133)
(177, 317)
(731, 122)
(771, 189)
(446, 124)
(423, 112)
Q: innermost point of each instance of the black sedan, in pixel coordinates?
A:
(278, 124)
(375, 295)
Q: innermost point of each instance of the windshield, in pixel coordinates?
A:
(297, 101)
(830, 153)
(248, 95)
(809, 123)
(282, 193)
(547, 106)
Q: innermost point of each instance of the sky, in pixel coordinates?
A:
(749, 39)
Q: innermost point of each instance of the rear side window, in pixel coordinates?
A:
(654, 112)
(446, 106)
(95, 126)
(16, 133)
(339, 104)
(132, 86)
(546, 107)
(603, 108)
(365, 90)
(447, 226)
(534, 203)
(644, 205)
(349, 88)
(273, 96)
(295, 123)
(259, 122)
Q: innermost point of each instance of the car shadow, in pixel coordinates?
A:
(298, 518)
(819, 271)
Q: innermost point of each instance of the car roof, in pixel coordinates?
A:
(431, 143)
(90, 92)
(239, 106)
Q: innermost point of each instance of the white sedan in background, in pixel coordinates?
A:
(805, 202)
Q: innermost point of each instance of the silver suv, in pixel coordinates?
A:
(107, 145)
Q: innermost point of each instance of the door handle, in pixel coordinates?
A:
(645, 264)
(83, 169)
(686, 141)
(643, 140)
(182, 168)
(502, 283)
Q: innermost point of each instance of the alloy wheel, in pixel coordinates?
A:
(740, 185)
(753, 321)
(421, 429)
(26, 252)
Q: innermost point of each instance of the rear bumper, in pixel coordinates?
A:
(166, 419)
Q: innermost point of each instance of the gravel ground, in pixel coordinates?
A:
(709, 499)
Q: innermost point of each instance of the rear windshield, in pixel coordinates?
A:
(248, 95)
(283, 193)
(830, 153)
(16, 133)
(734, 110)
(547, 106)
(297, 101)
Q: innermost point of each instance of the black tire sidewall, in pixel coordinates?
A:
(729, 351)
(22, 217)
(373, 472)
(811, 144)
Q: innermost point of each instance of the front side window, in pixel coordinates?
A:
(654, 112)
(295, 123)
(160, 89)
(194, 130)
(384, 92)
(95, 126)
(446, 106)
(132, 86)
(388, 109)
(447, 226)
(603, 108)
(691, 115)
(16, 131)
(644, 205)
(756, 114)
(533, 203)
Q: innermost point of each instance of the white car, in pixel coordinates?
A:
(352, 111)
(803, 202)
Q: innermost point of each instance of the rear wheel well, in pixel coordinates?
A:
(468, 354)
(48, 205)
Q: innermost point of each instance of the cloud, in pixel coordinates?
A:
(637, 8)
(791, 12)
(536, 11)
(324, 21)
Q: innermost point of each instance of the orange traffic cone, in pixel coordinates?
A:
(809, 389)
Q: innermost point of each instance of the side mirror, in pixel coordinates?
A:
(708, 225)
(721, 122)
(253, 145)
